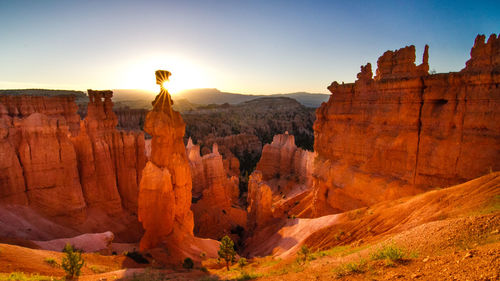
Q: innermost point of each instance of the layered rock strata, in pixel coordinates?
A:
(280, 183)
(215, 194)
(61, 165)
(405, 131)
(110, 161)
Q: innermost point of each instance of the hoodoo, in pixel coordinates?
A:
(165, 188)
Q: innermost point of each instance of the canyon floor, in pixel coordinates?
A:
(455, 237)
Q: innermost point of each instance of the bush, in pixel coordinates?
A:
(242, 262)
(137, 257)
(350, 268)
(52, 262)
(391, 253)
(72, 262)
(188, 263)
(303, 254)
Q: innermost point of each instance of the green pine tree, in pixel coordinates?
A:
(226, 250)
(72, 262)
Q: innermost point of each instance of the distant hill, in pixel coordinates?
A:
(214, 96)
(80, 96)
(185, 100)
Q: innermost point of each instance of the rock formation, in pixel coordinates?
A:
(215, 195)
(40, 166)
(280, 182)
(165, 187)
(110, 161)
(406, 131)
(63, 167)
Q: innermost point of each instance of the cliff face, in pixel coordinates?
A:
(110, 161)
(63, 167)
(280, 185)
(216, 193)
(405, 131)
(39, 164)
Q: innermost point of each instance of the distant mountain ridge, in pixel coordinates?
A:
(214, 96)
(188, 98)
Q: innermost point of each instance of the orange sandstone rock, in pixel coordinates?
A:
(215, 211)
(406, 131)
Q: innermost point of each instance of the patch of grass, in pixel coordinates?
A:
(52, 262)
(390, 253)
(350, 268)
(150, 275)
(247, 276)
(20, 276)
(97, 269)
(331, 252)
(492, 206)
(267, 262)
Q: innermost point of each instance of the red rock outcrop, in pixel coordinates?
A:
(165, 187)
(216, 195)
(62, 171)
(38, 159)
(110, 161)
(280, 183)
(260, 199)
(62, 108)
(406, 131)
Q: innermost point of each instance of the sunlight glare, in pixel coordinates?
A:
(185, 74)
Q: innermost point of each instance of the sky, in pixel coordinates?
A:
(251, 47)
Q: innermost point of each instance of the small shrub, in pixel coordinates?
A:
(188, 263)
(247, 276)
(389, 252)
(72, 262)
(97, 269)
(242, 262)
(137, 257)
(52, 262)
(350, 268)
(303, 254)
(204, 269)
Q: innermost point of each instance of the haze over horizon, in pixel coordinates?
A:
(249, 47)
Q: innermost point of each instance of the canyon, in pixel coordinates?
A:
(246, 172)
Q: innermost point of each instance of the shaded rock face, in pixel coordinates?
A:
(406, 131)
(282, 179)
(62, 166)
(165, 187)
(216, 194)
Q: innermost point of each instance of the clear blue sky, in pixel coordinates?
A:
(256, 47)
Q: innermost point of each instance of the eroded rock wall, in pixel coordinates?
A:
(406, 131)
(61, 165)
(280, 183)
(216, 193)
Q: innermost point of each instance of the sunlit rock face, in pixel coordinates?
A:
(216, 194)
(165, 188)
(405, 131)
(39, 166)
(62, 166)
(281, 183)
(110, 161)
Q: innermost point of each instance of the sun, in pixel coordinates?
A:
(139, 74)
